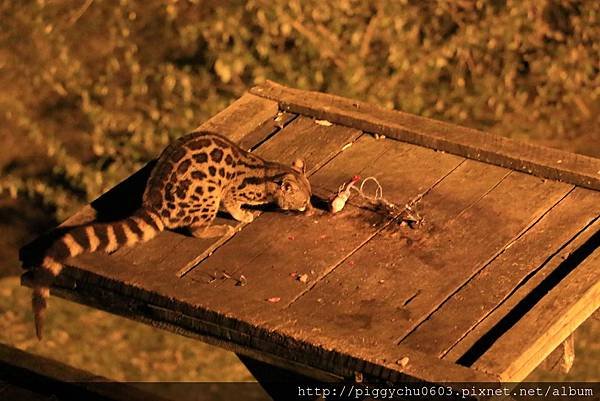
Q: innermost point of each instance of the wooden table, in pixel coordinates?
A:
(504, 268)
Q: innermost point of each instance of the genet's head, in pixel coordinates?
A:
(294, 190)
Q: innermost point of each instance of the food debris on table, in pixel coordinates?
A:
(324, 123)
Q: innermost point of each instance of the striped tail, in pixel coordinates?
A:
(108, 237)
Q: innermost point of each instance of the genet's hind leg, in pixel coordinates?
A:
(202, 228)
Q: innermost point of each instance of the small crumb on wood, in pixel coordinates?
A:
(403, 362)
(279, 120)
(303, 278)
(274, 300)
(242, 281)
(346, 146)
(324, 123)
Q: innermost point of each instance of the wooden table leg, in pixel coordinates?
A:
(562, 358)
(280, 384)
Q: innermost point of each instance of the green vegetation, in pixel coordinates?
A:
(98, 88)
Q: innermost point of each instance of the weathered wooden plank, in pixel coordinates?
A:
(501, 319)
(277, 251)
(544, 162)
(281, 252)
(271, 249)
(266, 345)
(549, 322)
(316, 144)
(490, 287)
(398, 278)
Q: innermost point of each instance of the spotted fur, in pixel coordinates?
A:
(194, 176)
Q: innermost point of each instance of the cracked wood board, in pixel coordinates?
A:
(549, 322)
(517, 155)
(505, 274)
(384, 290)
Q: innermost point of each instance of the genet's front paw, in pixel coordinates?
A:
(248, 216)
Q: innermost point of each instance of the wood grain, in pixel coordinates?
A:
(515, 354)
(503, 275)
(502, 319)
(270, 347)
(522, 156)
(398, 278)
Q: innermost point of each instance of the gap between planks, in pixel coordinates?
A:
(393, 220)
(494, 149)
(519, 235)
(431, 331)
(522, 283)
(554, 315)
(552, 272)
(263, 347)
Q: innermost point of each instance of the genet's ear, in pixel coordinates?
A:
(299, 165)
